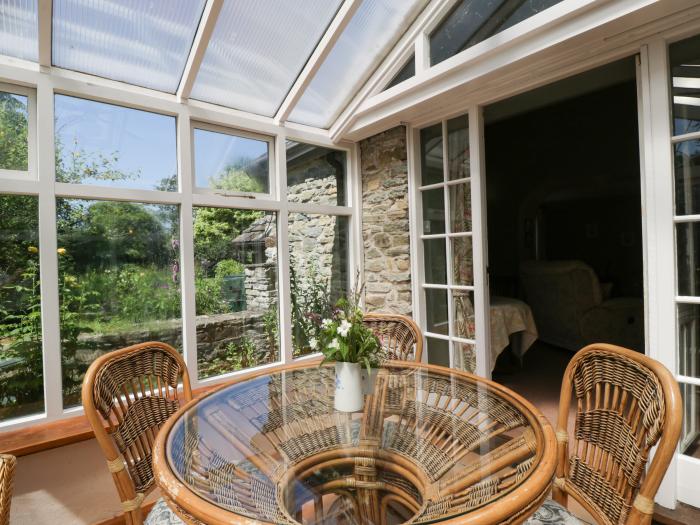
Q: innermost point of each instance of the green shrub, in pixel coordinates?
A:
(228, 267)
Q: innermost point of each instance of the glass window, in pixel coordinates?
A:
(235, 255)
(406, 72)
(374, 28)
(689, 340)
(687, 176)
(318, 251)
(118, 278)
(433, 211)
(142, 43)
(432, 156)
(107, 145)
(257, 51)
(231, 163)
(688, 254)
(315, 174)
(436, 310)
(19, 29)
(435, 259)
(472, 21)
(439, 351)
(690, 438)
(685, 85)
(14, 132)
(21, 364)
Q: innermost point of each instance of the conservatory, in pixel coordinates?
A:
(348, 261)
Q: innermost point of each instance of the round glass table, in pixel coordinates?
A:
(430, 445)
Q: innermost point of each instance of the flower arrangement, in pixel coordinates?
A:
(344, 338)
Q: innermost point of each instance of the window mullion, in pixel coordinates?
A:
(283, 261)
(48, 260)
(448, 248)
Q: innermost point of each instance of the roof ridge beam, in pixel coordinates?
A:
(313, 64)
(199, 47)
(45, 13)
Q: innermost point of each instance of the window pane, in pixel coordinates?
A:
(457, 148)
(687, 175)
(472, 21)
(438, 351)
(689, 340)
(464, 324)
(464, 356)
(14, 128)
(257, 51)
(142, 43)
(433, 211)
(21, 366)
(462, 261)
(406, 72)
(690, 436)
(318, 251)
(114, 146)
(431, 155)
(435, 261)
(688, 249)
(315, 174)
(231, 163)
(685, 73)
(436, 311)
(373, 30)
(118, 278)
(460, 208)
(236, 289)
(19, 29)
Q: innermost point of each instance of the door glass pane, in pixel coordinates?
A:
(690, 435)
(433, 211)
(98, 143)
(685, 85)
(464, 356)
(438, 351)
(21, 364)
(464, 323)
(689, 340)
(457, 148)
(19, 29)
(118, 278)
(431, 155)
(688, 249)
(460, 208)
(318, 251)
(14, 129)
(231, 163)
(687, 175)
(435, 261)
(462, 261)
(235, 255)
(315, 174)
(436, 311)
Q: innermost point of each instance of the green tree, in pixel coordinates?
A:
(13, 132)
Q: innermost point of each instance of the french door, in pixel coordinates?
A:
(449, 234)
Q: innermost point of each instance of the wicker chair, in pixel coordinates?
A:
(626, 403)
(399, 335)
(7, 475)
(127, 395)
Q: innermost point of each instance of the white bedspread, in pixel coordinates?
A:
(512, 324)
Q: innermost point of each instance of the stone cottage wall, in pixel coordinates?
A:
(385, 232)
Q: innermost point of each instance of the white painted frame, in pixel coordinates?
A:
(41, 84)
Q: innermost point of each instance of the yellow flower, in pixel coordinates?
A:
(33, 249)
(61, 251)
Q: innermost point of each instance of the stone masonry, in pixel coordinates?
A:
(385, 218)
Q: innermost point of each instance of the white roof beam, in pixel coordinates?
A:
(45, 26)
(324, 47)
(199, 47)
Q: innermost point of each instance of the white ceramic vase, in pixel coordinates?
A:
(348, 387)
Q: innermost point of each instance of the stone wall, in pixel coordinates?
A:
(385, 217)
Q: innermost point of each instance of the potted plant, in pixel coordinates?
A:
(344, 339)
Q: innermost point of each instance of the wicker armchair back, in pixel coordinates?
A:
(625, 404)
(7, 476)
(127, 395)
(399, 335)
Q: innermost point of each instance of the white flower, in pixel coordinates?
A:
(326, 323)
(344, 328)
(313, 344)
(335, 344)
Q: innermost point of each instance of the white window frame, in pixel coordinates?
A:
(41, 85)
(30, 173)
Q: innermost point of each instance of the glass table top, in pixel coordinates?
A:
(427, 446)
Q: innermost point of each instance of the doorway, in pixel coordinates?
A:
(564, 226)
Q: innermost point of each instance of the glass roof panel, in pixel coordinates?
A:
(374, 28)
(141, 43)
(257, 51)
(19, 29)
